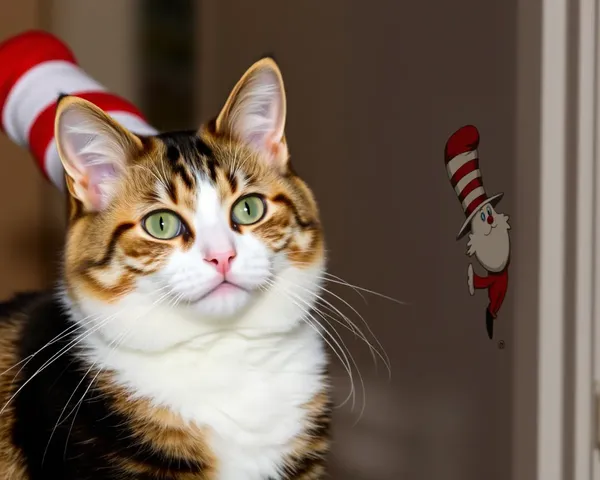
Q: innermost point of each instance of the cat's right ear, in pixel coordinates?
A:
(94, 150)
(255, 112)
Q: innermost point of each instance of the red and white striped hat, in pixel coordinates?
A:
(35, 69)
(462, 166)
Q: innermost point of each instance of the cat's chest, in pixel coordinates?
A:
(250, 401)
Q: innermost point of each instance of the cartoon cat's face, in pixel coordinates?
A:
(489, 238)
(212, 225)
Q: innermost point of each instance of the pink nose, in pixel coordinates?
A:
(222, 260)
(490, 220)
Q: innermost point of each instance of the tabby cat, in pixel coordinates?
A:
(177, 345)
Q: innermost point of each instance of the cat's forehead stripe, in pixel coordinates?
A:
(212, 169)
(233, 182)
(173, 153)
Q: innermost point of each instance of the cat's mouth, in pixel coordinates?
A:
(224, 288)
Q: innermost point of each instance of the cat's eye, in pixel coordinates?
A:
(248, 210)
(483, 216)
(163, 225)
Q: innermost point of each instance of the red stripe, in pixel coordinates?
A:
(465, 139)
(475, 203)
(469, 187)
(42, 130)
(21, 53)
(462, 171)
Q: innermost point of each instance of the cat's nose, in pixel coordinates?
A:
(221, 260)
(490, 220)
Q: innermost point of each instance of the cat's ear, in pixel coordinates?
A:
(94, 150)
(255, 111)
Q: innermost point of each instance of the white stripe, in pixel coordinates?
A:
(458, 161)
(37, 89)
(133, 123)
(472, 196)
(464, 181)
(53, 165)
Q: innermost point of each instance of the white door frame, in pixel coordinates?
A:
(587, 281)
(553, 423)
(552, 218)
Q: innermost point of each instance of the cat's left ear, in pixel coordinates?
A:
(94, 150)
(255, 112)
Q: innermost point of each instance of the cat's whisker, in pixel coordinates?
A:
(329, 277)
(117, 341)
(57, 355)
(341, 353)
(380, 352)
(355, 287)
(57, 338)
(349, 327)
(381, 349)
(76, 326)
(362, 336)
(366, 290)
(60, 417)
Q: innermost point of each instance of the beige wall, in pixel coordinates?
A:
(28, 239)
(373, 95)
(103, 36)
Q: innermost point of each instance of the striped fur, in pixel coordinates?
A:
(166, 395)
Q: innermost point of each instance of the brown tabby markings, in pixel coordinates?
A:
(307, 462)
(157, 428)
(12, 464)
(164, 432)
(170, 435)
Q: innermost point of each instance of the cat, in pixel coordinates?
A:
(177, 344)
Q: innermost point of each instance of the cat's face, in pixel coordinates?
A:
(212, 226)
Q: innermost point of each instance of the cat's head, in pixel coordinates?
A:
(170, 234)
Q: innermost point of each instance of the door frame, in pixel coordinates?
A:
(586, 465)
(558, 266)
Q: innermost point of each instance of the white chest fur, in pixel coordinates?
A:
(249, 392)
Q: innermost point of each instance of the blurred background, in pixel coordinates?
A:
(373, 95)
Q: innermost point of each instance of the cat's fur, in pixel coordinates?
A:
(133, 370)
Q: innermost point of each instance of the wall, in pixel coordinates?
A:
(373, 95)
(28, 249)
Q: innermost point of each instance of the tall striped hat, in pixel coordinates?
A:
(35, 69)
(462, 166)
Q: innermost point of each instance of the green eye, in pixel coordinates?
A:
(163, 225)
(248, 210)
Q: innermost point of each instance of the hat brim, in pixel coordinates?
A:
(492, 200)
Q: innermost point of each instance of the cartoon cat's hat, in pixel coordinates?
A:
(462, 165)
(36, 68)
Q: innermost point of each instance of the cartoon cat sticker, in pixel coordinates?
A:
(489, 239)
